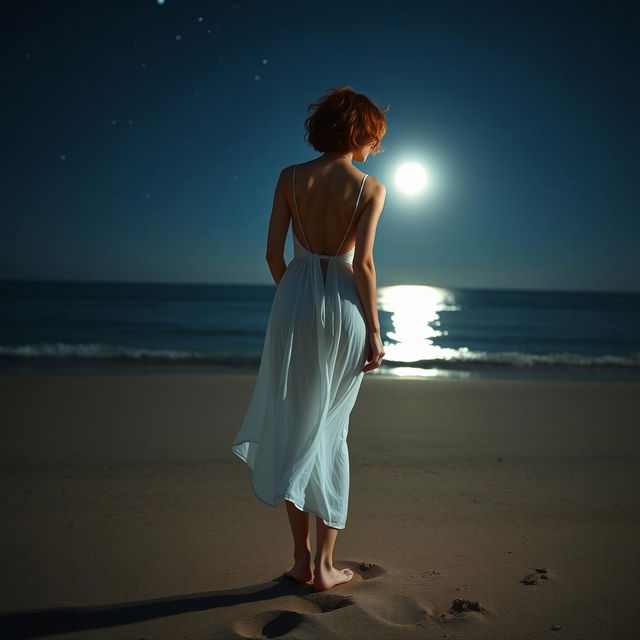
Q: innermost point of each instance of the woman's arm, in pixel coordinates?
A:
(363, 266)
(364, 272)
(278, 229)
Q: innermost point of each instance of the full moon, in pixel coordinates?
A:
(411, 177)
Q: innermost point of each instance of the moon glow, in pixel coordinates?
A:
(411, 177)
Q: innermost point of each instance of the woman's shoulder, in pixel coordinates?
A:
(371, 184)
(374, 183)
(374, 189)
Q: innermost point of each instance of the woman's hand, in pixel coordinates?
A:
(375, 352)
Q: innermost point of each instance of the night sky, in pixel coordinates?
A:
(143, 141)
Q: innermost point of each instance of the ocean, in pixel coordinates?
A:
(58, 327)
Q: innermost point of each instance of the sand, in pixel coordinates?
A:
(126, 515)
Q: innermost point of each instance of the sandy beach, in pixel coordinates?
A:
(125, 514)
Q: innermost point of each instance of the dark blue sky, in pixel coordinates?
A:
(143, 142)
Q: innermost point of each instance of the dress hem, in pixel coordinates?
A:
(286, 496)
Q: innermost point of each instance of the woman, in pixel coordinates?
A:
(323, 332)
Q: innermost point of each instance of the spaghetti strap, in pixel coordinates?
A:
(352, 215)
(295, 202)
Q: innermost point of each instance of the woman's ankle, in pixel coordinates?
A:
(302, 556)
(322, 562)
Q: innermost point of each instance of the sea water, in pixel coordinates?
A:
(429, 332)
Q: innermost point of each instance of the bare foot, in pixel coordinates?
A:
(327, 578)
(301, 571)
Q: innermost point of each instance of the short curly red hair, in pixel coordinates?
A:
(343, 120)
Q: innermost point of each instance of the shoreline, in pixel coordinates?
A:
(88, 367)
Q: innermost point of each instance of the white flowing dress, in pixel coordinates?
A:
(294, 434)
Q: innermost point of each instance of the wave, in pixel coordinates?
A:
(462, 359)
(103, 351)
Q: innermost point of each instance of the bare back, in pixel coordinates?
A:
(325, 196)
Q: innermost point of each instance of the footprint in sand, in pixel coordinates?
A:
(538, 574)
(273, 624)
(278, 623)
(461, 610)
